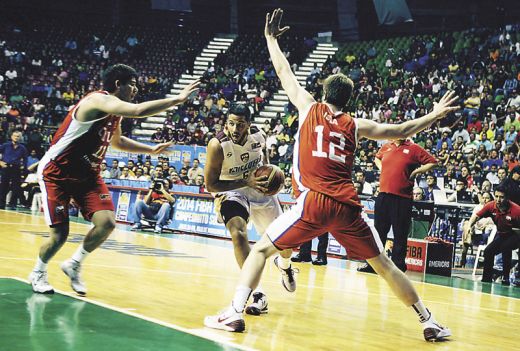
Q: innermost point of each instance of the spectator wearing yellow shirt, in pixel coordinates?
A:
(471, 106)
(350, 57)
(453, 67)
(490, 134)
(68, 96)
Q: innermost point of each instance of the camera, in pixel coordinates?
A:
(157, 184)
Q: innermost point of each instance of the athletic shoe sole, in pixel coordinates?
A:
(434, 334)
(236, 326)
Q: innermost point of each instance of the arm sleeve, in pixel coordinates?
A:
(486, 210)
(382, 150)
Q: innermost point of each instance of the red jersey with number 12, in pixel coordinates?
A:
(324, 154)
(78, 148)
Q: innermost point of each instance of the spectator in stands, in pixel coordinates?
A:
(199, 181)
(158, 136)
(125, 174)
(195, 171)
(139, 175)
(461, 132)
(511, 136)
(183, 175)
(431, 185)
(176, 180)
(32, 158)
(418, 194)
(366, 188)
(156, 205)
(461, 194)
(445, 138)
(104, 172)
(287, 186)
(115, 172)
(472, 105)
(492, 175)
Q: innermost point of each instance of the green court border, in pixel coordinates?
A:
(62, 322)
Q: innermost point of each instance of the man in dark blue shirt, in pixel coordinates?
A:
(13, 163)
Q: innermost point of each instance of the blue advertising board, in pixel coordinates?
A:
(195, 213)
(178, 153)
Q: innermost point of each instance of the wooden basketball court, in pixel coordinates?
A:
(148, 290)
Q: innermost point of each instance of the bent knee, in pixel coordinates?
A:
(107, 225)
(238, 234)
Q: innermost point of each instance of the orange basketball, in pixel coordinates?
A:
(275, 178)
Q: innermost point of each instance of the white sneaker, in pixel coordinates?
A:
(158, 229)
(288, 281)
(40, 283)
(258, 306)
(229, 320)
(136, 226)
(72, 269)
(433, 331)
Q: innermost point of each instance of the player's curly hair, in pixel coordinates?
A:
(120, 72)
(337, 90)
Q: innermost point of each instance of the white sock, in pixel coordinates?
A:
(284, 263)
(421, 311)
(40, 265)
(242, 294)
(80, 254)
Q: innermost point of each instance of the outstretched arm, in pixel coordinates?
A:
(123, 143)
(298, 96)
(372, 130)
(110, 104)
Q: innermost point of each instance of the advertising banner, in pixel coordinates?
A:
(416, 255)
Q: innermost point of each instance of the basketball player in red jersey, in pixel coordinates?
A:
(70, 168)
(322, 168)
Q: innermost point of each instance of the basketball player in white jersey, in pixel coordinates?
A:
(70, 168)
(232, 158)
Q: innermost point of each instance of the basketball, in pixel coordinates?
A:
(275, 178)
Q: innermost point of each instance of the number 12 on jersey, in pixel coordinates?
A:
(332, 146)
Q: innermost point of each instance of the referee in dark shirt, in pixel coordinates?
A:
(400, 162)
(13, 163)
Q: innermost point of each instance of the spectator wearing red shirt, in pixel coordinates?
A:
(506, 216)
(400, 161)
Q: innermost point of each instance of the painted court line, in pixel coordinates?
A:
(202, 333)
(314, 287)
(272, 282)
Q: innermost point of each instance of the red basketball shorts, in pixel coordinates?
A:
(314, 214)
(91, 196)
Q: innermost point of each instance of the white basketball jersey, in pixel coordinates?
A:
(241, 160)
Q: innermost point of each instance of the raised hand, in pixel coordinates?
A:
(445, 105)
(272, 24)
(188, 90)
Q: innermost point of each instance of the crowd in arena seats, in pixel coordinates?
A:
(45, 67)
(191, 173)
(242, 74)
(477, 148)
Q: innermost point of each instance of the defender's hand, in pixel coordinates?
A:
(445, 105)
(272, 24)
(161, 148)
